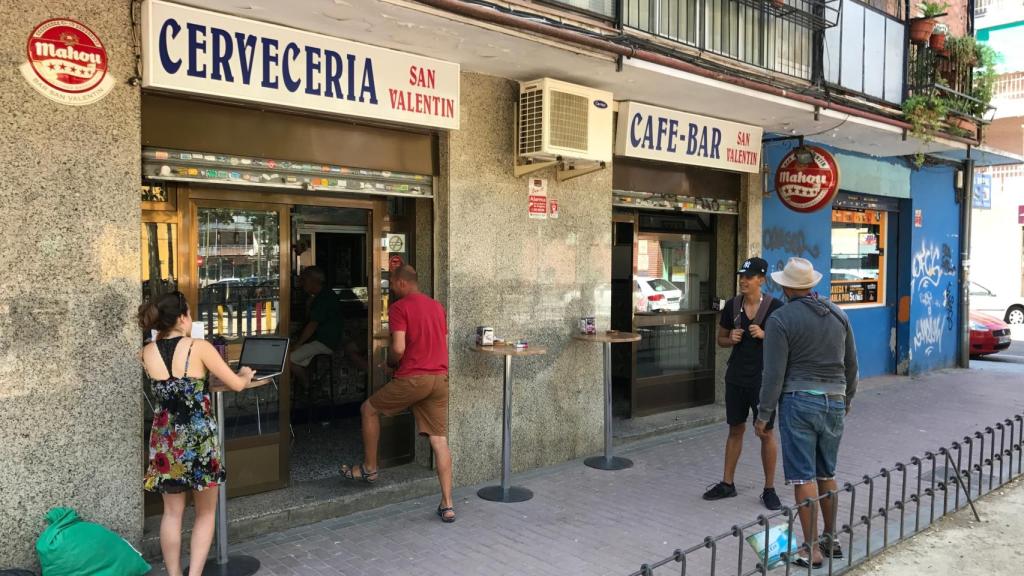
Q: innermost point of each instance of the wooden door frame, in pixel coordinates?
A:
(191, 198)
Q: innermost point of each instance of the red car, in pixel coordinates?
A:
(988, 334)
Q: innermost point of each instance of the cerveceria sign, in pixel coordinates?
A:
(203, 52)
(807, 179)
(654, 133)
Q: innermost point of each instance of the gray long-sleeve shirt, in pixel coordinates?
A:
(808, 346)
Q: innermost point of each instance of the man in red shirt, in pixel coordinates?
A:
(419, 348)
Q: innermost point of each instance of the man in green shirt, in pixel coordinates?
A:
(322, 332)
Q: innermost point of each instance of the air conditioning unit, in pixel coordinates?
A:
(562, 120)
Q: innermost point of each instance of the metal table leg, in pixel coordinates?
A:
(223, 564)
(608, 462)
(506, 492)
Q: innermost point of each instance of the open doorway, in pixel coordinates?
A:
(325, 402)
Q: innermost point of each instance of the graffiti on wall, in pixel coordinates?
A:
(932, 284)
(792, 243)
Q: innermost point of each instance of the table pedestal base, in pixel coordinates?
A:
(496, 494)
(237, 565)
(608, 463)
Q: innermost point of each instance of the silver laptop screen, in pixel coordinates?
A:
(265, 353)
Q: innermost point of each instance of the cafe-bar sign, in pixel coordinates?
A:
(654, 133)
(807, 179)
(190, 50)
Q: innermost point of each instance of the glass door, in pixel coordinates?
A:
(237, 291)
(673, 284)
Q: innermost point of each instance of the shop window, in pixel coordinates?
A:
(858, 256)
(239, 272)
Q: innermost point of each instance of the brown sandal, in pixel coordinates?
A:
(364, 475)
(442, 512)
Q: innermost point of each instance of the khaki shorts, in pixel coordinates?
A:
(304, 354)
(427, 395)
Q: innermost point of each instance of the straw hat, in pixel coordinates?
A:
(799, 274)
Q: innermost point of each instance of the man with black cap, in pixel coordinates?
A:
(741, 328)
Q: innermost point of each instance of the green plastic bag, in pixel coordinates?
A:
(71, 546)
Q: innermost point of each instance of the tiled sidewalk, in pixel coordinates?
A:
(585, 521)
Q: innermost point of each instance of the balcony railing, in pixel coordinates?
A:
(865, 52)
(759, 33)
(930, 72)
(859, 48)
(1009, 87)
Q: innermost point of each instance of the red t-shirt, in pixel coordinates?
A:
(426, 335)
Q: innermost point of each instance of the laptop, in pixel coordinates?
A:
(266, 355)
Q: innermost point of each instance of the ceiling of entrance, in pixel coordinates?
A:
(519, 56)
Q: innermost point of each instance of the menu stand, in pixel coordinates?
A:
(224, 564)
(506, 492)
(608, 461)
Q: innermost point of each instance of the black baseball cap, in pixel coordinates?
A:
(753, 267)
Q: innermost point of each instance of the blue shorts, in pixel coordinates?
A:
(811, 427)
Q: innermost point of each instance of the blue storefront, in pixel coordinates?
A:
(889, 250)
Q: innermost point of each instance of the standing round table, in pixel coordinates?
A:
(608, 461)
(223, 564)
(506, 492)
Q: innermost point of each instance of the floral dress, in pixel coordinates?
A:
(184, 453)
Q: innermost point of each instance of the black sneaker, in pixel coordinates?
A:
(770, 499)
(719, 491)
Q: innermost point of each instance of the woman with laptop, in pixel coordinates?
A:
(184, 454)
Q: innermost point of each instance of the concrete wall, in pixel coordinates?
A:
(70, 402)
(528, 279)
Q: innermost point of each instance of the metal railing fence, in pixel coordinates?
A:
(877, 511)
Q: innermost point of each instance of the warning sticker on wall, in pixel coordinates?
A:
(538, 199)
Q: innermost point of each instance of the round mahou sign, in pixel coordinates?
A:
(67, 62)
(807, 179)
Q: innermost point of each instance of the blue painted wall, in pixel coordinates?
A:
(934, 278)
(923, 336)
(787, 233)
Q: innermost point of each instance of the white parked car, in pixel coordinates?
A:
(657, 295)
(1010, 309)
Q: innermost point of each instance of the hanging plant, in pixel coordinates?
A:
(984, 79)
(926, 114)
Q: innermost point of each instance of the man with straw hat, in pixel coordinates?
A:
(810, 377)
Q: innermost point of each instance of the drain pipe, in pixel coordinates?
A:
(485, 13)
(966, 204)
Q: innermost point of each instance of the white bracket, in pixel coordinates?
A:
(569, 171)
(521, 170)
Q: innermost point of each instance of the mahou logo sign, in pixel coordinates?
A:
(67, 63)
(807, 179)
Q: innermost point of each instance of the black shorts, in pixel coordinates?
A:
(740, 402)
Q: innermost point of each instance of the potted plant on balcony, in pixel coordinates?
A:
(984, 82)
(926, 113)
(937, 41)
(921, 28)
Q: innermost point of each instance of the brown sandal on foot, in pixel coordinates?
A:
(364, 475)
(443, 513)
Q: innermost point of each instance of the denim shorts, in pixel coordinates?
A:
(811, 427)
